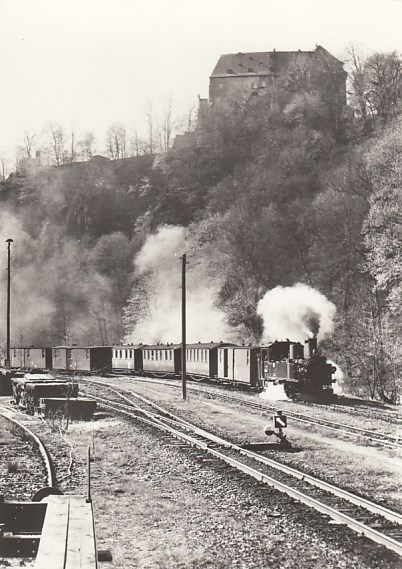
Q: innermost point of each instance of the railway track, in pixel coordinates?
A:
(365, 517)
(386, 415)
(46, 458)
(372, 436)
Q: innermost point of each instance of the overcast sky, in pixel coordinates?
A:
(89, 63)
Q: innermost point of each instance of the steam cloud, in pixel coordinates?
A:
(295, 312)
(160, 266)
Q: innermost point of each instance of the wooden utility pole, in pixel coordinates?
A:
(183, 327)
(8, 241)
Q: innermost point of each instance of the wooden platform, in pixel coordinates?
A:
(68, 535)
(59, 531)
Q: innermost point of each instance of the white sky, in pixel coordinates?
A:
(89, 63)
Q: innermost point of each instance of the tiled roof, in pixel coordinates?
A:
(261, 62)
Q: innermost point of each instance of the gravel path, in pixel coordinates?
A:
(158, 506)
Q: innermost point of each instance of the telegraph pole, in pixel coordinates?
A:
(8, 241)
(183, 327)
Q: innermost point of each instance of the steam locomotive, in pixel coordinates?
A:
(299, 371)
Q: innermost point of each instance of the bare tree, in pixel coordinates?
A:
(2, 168)
(150, 123)
(376, 85)
(384, 72)
(136, 144)
(168, 124)
(29, 143)
(73, 152)
(88, 146)
(116, 141)
(57, 143)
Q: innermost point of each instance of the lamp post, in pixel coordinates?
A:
(8, 241)
(183, 327)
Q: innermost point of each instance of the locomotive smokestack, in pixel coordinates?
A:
(311, 347)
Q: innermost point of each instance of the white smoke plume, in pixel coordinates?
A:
(295, 313)
(31, 309)
(159, 261)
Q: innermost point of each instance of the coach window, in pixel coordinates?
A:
(87, 354)
(152, 354)
(248, 356)
(55, 353)
(28, 353)
(171, 354)
(43, 353)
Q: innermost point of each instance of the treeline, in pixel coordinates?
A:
(290, 186)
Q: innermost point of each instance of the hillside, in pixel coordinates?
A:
(280, 189)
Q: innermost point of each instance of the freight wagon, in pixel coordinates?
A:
(88, 359)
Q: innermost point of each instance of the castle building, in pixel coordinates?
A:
(247, 74)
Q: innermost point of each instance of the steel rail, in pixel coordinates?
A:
(321, 507)
(42, 449)
(380, 438)
(390, 515)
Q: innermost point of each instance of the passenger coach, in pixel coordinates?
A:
(162, 358)
(202, 359)
(126, 358)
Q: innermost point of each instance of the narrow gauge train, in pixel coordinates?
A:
(303, 373)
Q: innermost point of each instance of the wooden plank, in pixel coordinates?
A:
(53, 541)
(81, 546)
